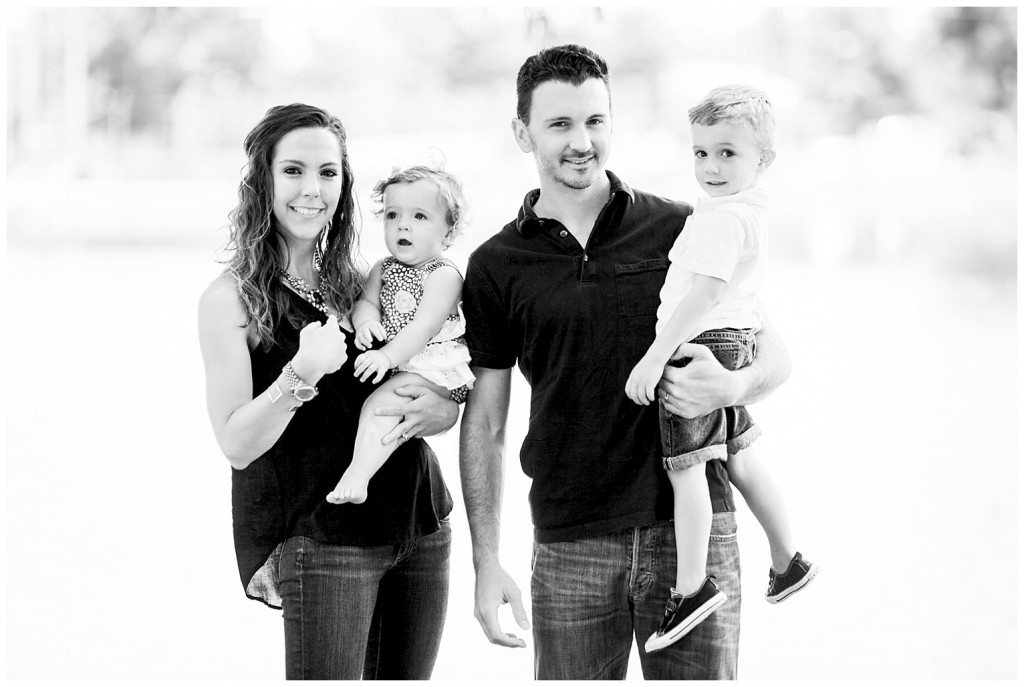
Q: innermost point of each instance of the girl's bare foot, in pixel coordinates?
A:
(349, 490)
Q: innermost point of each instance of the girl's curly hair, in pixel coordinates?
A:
(448, 186)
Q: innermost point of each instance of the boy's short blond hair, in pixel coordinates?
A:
(448, 186)
(738, 104)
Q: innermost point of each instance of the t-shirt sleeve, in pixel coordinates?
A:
(488, 331)
(715, 247)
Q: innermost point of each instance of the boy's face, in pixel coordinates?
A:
(569, 132)
(727, 159)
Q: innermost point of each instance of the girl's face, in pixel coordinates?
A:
(727, 159)
(415, 221)
(307, 175)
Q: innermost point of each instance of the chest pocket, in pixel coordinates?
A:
(637, 286)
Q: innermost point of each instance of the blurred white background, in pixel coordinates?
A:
(893, 281)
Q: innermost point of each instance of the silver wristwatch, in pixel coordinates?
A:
(301, 391)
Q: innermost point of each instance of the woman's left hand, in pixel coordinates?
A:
(424, 415)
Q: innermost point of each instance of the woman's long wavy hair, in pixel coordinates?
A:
(258, 256)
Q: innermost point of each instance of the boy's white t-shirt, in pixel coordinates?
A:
(723, 238)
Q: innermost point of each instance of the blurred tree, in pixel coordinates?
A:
(986, 37)
(862, 64)
(145, 54)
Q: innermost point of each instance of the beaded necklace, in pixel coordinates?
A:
(313, 296)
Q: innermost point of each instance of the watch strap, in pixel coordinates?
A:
(295, 383)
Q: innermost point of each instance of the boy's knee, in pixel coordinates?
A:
(737, 468)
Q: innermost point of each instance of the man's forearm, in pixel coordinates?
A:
(771, 367)
(481, 468)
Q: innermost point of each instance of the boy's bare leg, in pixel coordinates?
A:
(764, 498)
(692, 525)
(369, 454)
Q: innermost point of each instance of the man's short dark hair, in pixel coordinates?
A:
(570, 63)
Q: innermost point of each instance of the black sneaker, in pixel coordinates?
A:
(796, 577)
(682, 614)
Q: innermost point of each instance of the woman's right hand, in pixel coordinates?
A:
(322, 350)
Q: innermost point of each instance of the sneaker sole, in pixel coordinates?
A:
(782, 596)
(656, 643)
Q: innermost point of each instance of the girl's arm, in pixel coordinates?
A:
(245, 426)
(441, 291)
(367, 308)
(643, 380)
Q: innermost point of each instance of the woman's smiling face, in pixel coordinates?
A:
(307, 175)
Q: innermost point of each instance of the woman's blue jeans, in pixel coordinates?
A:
(592, 597)
(373, 612)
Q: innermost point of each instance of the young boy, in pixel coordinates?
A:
(710, 298)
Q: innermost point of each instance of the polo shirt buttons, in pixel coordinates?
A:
(563, 233)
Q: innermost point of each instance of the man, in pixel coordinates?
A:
(569, 291)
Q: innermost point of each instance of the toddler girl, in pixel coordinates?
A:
(411, 301)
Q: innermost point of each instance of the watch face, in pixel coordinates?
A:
(304, 393)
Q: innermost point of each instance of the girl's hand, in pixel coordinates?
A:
(641, 387)
(367, 332)
(372, 364)
(321, 350)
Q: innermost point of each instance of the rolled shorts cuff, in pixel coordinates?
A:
(737, 444)
(701, 455)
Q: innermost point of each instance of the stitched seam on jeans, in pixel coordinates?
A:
(302, 605)
(634, 564)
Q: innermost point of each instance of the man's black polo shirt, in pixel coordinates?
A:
(576, 321)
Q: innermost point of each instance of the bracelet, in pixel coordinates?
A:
(270, 392)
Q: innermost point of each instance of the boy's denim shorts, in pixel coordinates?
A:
(726, 431)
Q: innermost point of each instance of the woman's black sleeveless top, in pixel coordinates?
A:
(283, 492)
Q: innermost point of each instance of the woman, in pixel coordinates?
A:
(363, 588)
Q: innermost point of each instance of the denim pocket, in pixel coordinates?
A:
(733, 348)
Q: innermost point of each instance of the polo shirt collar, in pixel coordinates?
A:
(527, 221)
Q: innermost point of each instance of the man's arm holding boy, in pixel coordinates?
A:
(703, 385)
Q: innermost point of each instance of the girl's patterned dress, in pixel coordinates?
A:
(445, 359)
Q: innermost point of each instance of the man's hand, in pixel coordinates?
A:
(701, 386)
(494, 588)
(424, 415)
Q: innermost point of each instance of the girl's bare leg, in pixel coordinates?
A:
(369, 454)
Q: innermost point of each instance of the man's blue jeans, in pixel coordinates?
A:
(593, 596)
(374, 612)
